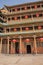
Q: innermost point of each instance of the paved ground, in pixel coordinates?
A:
(27, 59)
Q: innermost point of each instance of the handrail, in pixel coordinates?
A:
(25, 32)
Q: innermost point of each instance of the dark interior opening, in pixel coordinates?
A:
(28, 49)
(17, 47)
(9, 47)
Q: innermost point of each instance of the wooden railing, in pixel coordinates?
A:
(23, 32)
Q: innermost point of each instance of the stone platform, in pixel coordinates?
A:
(18, 59)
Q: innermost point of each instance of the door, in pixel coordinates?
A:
(28, 48)
(17, 47)
(9, 47)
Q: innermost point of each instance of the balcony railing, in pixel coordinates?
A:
(3, 19)
(23, 32)
(23, 21)
(28, 10)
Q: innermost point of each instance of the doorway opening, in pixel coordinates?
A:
(17, 47)
(9, 47)
(28, 49)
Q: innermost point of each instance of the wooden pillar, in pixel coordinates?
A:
(20, 29)
(35, 46)
(5, 29)
(1, 46)
(7, 19)
(12, 48)
(33, 28)
(8, 45)
(20, 45)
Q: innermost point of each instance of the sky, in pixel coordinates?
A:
(14, 2)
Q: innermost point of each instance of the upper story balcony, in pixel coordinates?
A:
(22, 33)
(25, 18)
(30, 8)
(25, 21)
(31, 28)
